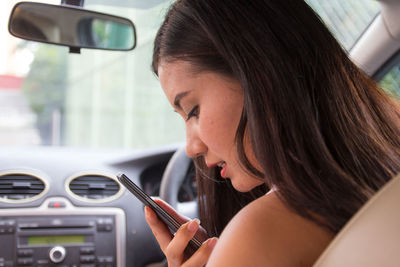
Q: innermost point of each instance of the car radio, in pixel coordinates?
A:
(67, 237)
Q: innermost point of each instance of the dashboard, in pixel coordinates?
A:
(65, 207)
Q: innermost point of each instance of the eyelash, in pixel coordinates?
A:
(193, 113)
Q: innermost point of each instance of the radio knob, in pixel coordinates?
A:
(57, 254)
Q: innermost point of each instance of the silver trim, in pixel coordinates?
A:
(99, 173)
(59, 249)
(69, 209)
(34, 173)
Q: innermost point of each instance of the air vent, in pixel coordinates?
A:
(94, 187)
(17, 187)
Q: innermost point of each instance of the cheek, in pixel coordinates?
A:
(218, 129)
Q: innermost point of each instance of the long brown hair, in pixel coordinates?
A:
(326, 136)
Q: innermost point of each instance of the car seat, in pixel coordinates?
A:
(372, 236)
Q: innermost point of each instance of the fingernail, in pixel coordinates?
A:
(194, 225)
(211, 242)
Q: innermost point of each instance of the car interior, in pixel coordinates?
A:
(78, 107)
(371, 237)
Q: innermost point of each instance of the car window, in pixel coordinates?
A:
(98, 99)
(347, 19)
(108, 99)
(389, 77)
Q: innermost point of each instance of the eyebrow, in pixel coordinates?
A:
(178, 98)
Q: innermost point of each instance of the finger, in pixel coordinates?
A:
(159, 229)
(201, 235)
(175, 250)
(201, 256)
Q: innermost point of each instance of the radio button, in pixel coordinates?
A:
(25, 261)
(104, 225)
(105, 259)
(87, 250)
(25, 252)
(7, 226)
(87, 259)
(10, 223)
(6, 263)
(57, 204)
(57, 254)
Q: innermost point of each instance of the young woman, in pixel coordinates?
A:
(289, 137)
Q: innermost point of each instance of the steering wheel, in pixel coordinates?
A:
(172, 179)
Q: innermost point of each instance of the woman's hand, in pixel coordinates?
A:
(174, 246)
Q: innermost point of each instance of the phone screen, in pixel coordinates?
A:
(172, 224)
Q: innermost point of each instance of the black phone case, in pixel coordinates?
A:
(172, 224)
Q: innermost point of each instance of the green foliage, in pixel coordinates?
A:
(44, 86)
(391, 82)
(45, 83)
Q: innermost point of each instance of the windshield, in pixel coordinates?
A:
(346, 19)
(108, 99)
(99, 99)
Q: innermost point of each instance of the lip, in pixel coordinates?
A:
(212, 165)
(223, 170)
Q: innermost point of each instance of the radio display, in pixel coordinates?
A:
(56, 239)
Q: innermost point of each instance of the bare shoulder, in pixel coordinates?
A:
(267, 233)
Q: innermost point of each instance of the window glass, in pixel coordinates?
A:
(347, 19)
(108, 99)
(391, 78)
(97, 99)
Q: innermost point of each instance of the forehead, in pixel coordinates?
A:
(170, 70)
(176, 77)
(180, 79)
(177, 74)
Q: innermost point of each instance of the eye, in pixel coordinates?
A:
(193, 113)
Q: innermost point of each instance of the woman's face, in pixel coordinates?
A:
(211, 106)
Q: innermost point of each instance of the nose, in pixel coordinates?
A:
(194, 145)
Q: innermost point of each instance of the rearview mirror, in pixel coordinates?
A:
(71, 26)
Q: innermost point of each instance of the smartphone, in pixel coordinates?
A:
(172, 224)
